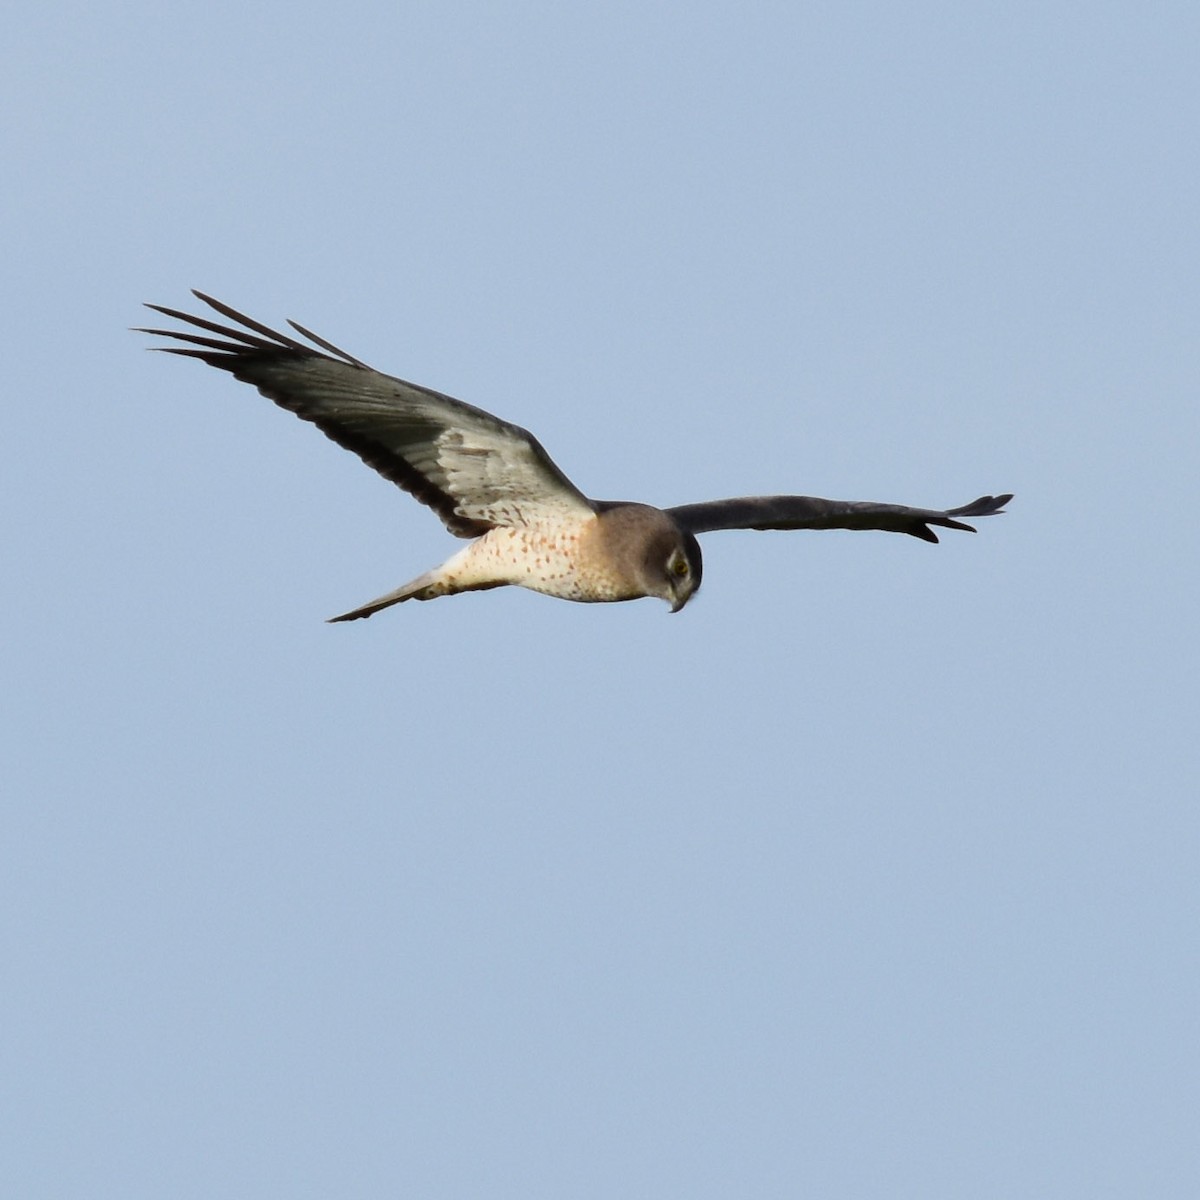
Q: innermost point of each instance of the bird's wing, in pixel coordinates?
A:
(811, 512)
(474, 470)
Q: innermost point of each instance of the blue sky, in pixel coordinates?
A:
(872, 873)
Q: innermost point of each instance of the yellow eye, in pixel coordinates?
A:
(679, 567)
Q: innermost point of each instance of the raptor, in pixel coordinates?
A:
(492, 482)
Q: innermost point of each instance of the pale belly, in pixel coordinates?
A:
(546, 560)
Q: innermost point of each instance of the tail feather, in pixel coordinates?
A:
(424, 587)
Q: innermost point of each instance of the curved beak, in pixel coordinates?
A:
(681, 596)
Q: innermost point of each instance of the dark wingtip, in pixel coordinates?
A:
(985, 506)
(244, 333)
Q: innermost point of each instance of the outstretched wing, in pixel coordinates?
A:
(474, 470)
(810, 512)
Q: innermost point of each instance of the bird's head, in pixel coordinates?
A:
(673, 566)
(685, 568)
(648, 553)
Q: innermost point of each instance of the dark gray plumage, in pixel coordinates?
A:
(493, 482)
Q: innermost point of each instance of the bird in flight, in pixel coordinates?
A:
(492, 482)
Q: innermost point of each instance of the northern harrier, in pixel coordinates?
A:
(492, 482)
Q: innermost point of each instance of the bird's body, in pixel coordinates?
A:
(572, 560)
(492, 481)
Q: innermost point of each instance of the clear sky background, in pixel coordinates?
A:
(872, 873)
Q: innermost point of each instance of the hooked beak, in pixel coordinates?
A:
(680, 598)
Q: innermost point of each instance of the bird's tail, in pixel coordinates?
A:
(424, 587)
(438, 582)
